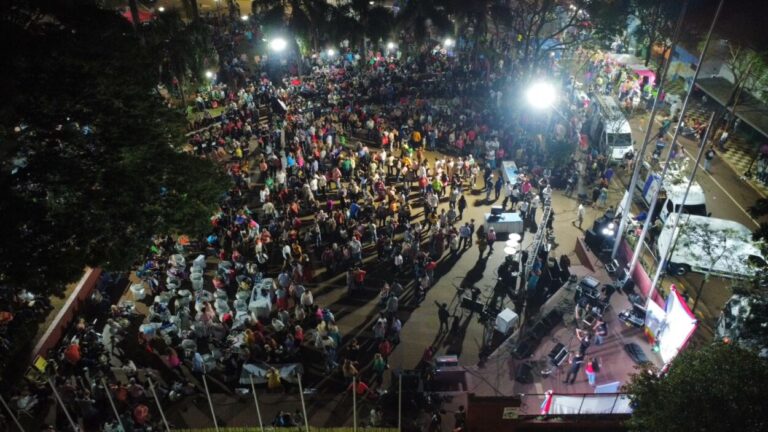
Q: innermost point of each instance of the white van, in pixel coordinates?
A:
(607, 126)
(709, 245)
(670, 198)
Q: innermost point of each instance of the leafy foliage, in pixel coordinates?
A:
(96, 168)
(717, 388)
(424, 19)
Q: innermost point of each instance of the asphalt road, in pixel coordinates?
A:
(727, 197)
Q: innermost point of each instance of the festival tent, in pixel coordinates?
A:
(634, 64)
(670, 328)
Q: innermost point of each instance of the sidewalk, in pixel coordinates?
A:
(741, 148)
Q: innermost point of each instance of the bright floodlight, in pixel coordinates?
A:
(331, 52)
(390, 45)
(448, 42)
(161, 9)
(244, 17)
(371, 2)
(278, 44)
(541, 95)
(209, 74)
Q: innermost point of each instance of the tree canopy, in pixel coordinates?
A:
(93, 167)
(717, 388)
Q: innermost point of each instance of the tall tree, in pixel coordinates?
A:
(656, 22)
(423, 19)
(185, 46)
(717, 388)
(375, 21)
(96, 168)
(306, 19)
(543, 26)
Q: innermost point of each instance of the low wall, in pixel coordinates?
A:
(67, 313)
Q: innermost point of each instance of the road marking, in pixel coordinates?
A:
(702, 170)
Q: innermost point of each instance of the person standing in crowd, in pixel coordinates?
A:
(601, 330)
(462, 204)
(575, 359)
(580, 215)
(443, 315)
(708, 156)
(589, 369)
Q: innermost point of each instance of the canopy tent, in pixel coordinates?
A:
(635, 64)
(670, 328)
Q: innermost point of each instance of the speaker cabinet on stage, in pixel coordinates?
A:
(525, 348)
(552, 319)
(524, 375)
(471, 305)
(539, 330)
(593, 241)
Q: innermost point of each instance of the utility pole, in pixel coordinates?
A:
(641, 155)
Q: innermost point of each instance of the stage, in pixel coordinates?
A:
(499, 375)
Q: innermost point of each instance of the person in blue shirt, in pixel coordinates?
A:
(354, 209)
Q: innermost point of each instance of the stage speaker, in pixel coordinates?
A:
(524, 375)
(594, 242)
(539, 330)
(472, 305)
(552, 319)
(524, 349)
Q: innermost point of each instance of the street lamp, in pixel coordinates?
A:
(541, 95)
(278, 44)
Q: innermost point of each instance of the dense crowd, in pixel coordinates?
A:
(335, 175)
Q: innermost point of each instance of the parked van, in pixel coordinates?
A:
(709, 245)
(670, 198)
(607, 126)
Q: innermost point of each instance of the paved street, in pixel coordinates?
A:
(728, 197)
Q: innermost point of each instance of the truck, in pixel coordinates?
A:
(709, 245)
(672, 192)
(608, 127)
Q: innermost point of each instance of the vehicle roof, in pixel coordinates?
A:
(676, 192)
(620, 126)
(615, 121)
(738, 243)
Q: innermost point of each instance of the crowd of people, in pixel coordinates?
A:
(359, 165)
